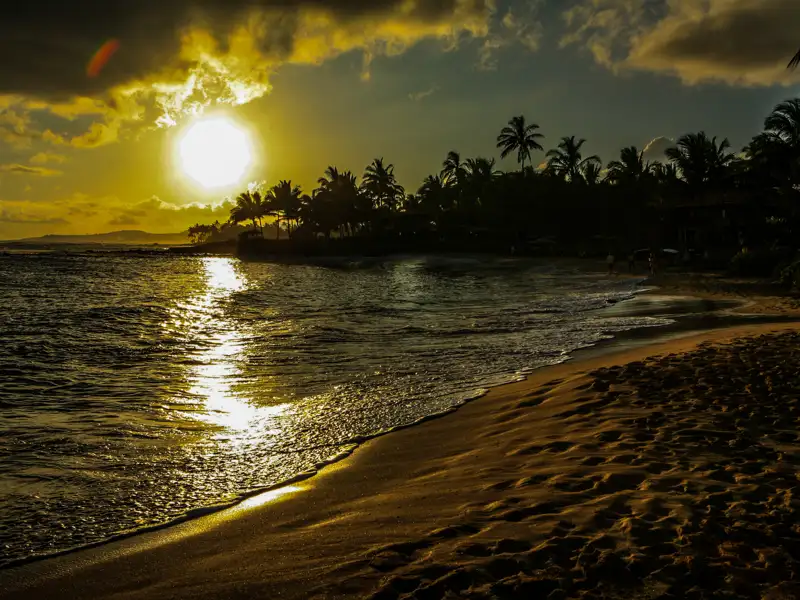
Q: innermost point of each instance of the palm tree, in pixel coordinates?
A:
(784, 122)
(433, 195)
(520, 137)
(340, 203)
(285, 199)
(664, 174)
(452, 169)
(566, 161)
(250, 206)
(591, 172)
(380, 183)
(479, 174)
(793, 64)
(699, 159)
(631, 167)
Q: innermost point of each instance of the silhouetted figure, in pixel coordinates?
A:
(631, 262)
(610, 262)
(652, 261)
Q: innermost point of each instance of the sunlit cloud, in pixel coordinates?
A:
(81, 214)
(657, 148)
(203, 54)
(43, 158)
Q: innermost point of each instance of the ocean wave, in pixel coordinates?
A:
(137, 391)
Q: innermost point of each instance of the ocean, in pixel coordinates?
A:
(137, 390)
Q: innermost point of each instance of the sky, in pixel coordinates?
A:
(313, 83)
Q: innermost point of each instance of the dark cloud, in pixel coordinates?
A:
(46, 45)
(741, 42)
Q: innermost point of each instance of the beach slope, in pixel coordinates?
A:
(669, 471)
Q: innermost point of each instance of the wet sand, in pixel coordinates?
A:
(667, 471)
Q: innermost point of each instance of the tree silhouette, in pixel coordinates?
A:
(380, 183)
(471, 206)
(566, 161)
(452, 169)
(249, 206)
(285, 201)
(519, 137)
(631, 167)
(591, 172)
(700, 160)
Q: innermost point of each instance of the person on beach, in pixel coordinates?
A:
(610, 262)
(631, 262)
(652, 261)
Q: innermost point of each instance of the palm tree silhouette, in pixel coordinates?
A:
(784, 122)
(795, 62)
(566, 161)
(285, 202)
(479, 175)
(433, 196)
(249, 206)
(341, 204)
(520, 137)
(591, 172)
(699, 159)
(630, 168)
(452, 169)
(381, 184)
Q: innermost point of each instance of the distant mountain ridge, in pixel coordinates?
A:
(123, 237)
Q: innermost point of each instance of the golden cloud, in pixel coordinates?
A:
(208, 52)
(82, 214)
(43, 158)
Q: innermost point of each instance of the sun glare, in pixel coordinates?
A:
(215, 152)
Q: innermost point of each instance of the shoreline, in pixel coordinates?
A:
(712, 314)
(139, 546)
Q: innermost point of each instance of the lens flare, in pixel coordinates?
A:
(101, 58)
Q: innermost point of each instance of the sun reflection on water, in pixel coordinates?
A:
(215, 375)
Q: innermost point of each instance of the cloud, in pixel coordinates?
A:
(15, 217)
(656, 149)
(80, 214)
(43, 158)
(15, 125)
(28, 170)
(176, 58)
(525, 29)
(123, 221)
(417, 96)
(516, 26)
(738, 42)
(185, 54)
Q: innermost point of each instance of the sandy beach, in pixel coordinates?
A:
(668, 471)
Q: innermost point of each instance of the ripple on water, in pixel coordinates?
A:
(135, 389)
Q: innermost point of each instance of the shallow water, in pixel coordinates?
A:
(135, 389)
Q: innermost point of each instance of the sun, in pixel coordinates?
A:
(215, 152)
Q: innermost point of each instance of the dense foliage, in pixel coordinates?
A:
(700, 197)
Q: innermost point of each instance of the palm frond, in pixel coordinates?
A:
(795, 62)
